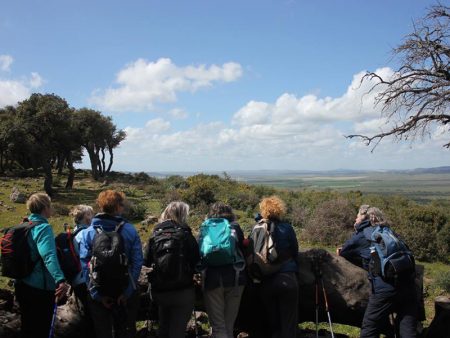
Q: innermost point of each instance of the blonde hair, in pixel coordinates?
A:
(176, 211)
(38, 202)
(272, 207)
(376, 216)
(80, 211)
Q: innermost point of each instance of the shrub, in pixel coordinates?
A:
(135, 211)
(331, 222)
(443, 281)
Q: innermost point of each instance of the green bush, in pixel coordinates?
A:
(135, 211)
(443, 281)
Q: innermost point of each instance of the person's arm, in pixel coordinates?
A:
(45, 242)
(148, 257)
(239, 235)
(136, 261)
(85, 258)
(194, 251)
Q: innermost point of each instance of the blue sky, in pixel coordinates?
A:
(209, 85)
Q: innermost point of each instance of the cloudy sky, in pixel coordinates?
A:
(219, 85)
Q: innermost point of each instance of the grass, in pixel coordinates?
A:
(85, 192)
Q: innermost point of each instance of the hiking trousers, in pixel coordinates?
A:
(279, 294)
(118, 322)
(174, 310)
(402, 302)
(222, 306)
(36, 310)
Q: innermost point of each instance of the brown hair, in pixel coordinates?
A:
(221, 210)
(38, 202)
(109, 200)
(272, 208)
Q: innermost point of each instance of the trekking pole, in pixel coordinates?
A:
(52, 325)
(317, 308)
(327, 308)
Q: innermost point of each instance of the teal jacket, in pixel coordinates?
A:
(47, 272)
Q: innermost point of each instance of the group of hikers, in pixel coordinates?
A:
(101, 261)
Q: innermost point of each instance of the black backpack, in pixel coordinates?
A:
(108, 268)
(169, 250)
(15, 251)
(69, 260)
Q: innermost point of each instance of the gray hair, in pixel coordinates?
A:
(376, 216)
(176, 211)
(363, 210)
(80, 211)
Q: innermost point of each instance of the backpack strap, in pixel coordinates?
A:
(119, 226)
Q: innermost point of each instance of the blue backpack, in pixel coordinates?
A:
(218, 243)
(396, 260)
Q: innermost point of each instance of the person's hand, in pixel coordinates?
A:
(61, 291)
(107, 302)
(122, 300)
(338, 251)
(197, 279)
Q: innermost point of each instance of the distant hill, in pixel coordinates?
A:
(243, 174)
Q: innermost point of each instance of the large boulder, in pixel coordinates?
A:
(17, 197)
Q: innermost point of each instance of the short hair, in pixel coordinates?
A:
(221, 210)
(109, 200)
(38, 202)
(80, 211)
(376, 216)
(272, 207)
(176, 211)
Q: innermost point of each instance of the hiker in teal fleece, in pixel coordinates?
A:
(37, 293)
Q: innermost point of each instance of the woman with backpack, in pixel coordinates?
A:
(38, 292)
(223, 277)
(111, 259)
(392, 280)
(172, 253)
(278, 288)
(82, 217)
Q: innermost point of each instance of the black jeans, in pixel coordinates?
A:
(403, 302)
(279, 294)
(36, 310)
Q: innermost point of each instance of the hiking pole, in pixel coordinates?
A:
(52, 325)
(317, 308)
(327, 308)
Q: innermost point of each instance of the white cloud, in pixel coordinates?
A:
(178, 114)
(292, 132)
(5, 62)
(142, 84)
(14, 90)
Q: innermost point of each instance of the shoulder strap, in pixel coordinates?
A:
(119, 226)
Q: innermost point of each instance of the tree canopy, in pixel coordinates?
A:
(44, 133)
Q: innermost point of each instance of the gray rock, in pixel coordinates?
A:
(17, 196)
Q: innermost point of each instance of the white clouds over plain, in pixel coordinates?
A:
(294, 132)
(142, 84)
(14, 90)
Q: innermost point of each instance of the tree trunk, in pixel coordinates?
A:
(111, 158)
(60, 164)
(103, 162)
(71, 176)
(93, 160)
(346, 286)
(48, 180)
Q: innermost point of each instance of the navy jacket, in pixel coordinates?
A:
(287, 245)
(357, 248)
